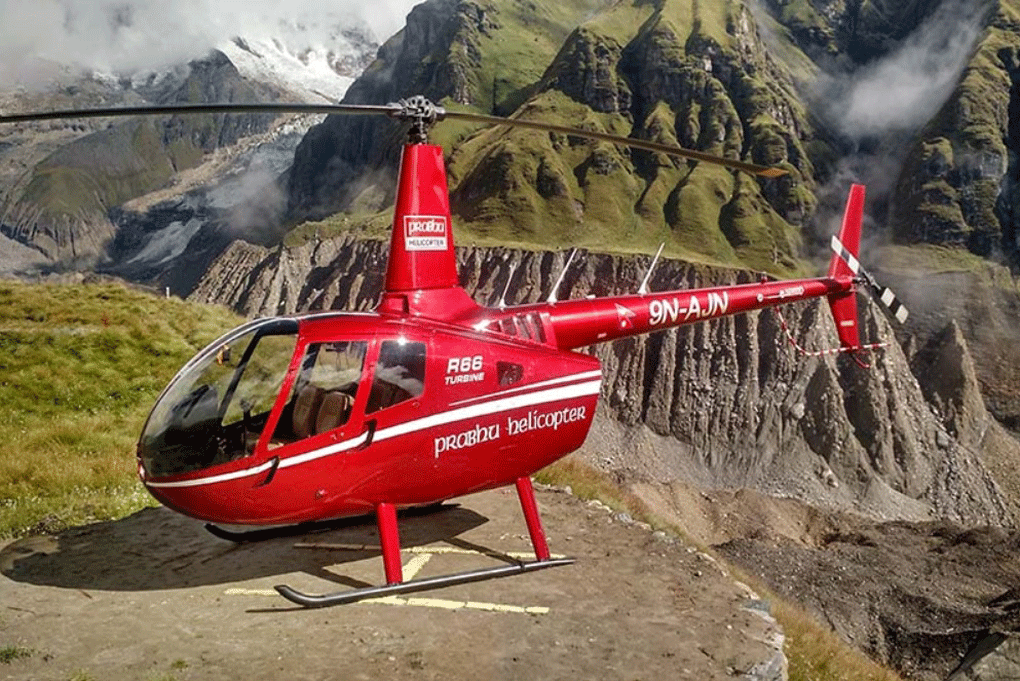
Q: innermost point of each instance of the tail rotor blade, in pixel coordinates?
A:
(889, 299)
(883, 293)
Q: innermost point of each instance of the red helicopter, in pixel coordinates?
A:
(295, 420)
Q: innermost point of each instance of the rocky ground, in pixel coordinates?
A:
(18, 258)
(923, 598)
(155, 596)
(932, 600)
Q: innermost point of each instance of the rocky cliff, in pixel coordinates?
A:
(916, 99)
(698, 75)
(959, 183)
(482, 54)
(721, 405)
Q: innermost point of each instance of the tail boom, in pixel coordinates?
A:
(573, 324)
(579, 323)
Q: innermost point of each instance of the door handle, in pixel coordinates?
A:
(272, 472)
(369, 433)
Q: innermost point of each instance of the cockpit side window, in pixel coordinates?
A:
(262, 370)
(215, 408)
(324, 390)
(399, 374)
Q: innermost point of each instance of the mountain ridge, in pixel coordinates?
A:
(66, 183)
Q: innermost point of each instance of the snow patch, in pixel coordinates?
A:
(313, 73)
(168, 243)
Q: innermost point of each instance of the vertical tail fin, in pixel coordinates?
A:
(421, 277)
(843, 265)
(421, 245)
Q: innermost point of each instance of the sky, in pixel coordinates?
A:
(39, 38)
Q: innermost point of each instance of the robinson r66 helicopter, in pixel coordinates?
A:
(294, 420)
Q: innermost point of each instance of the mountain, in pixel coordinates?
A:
(917, 99)
(623, 70)
(724, 425)
(803, 85)
(834, 92)
(727, 404)
(68, 187)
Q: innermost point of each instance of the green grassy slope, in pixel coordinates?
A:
(684, 72)
(106, 169)
(80, 367)
(960, 173)
(683, 64)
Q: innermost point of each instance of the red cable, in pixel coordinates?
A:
(819, 353)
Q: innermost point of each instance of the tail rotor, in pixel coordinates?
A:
(883, 293)
(846, 267)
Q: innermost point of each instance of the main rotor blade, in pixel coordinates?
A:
(761, 171)
(277, 108)
(414, 109)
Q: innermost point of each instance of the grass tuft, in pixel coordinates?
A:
(589, 483)
(815, 653)
(80, 367)
(9, 654)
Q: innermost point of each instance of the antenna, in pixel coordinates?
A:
(502, 298)
(644, 284)
(556, 286)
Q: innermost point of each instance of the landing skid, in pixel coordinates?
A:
(389, 540)
(264, 534)
(426, 584)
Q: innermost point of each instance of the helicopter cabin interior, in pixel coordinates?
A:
(218, 406)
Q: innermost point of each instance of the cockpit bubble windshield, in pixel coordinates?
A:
(216, 407)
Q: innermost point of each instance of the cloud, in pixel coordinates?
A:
(904, 89)
(39, 39)
(877, 108)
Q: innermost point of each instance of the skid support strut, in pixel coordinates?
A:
(527, 495)
(389, 540)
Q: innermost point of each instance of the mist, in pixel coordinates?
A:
(877, 108)
(905, 88)
(42, 40)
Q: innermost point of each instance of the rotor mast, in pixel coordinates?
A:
(421, 275)
(422, 114)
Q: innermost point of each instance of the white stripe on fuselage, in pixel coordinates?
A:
(532, 386)
(233, 475)
(488, 408)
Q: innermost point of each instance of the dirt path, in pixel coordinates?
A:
(154, 596)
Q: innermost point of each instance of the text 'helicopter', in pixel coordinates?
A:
(299, 419)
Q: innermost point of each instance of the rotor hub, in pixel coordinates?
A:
(422, 114)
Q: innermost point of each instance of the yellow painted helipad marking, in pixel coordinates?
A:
(415, 565)
(418, 602)
(423, 555)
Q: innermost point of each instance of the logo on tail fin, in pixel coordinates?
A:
(425, 232)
